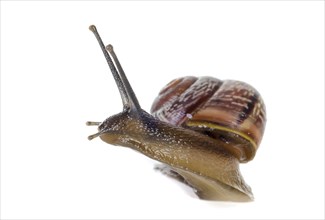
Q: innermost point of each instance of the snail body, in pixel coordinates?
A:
(200, 149)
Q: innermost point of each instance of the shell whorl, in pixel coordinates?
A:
(230, 110)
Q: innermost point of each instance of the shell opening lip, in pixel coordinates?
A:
(241, 154)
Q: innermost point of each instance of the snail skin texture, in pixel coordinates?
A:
(200, 130)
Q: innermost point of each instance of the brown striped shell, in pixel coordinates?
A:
(231, 111)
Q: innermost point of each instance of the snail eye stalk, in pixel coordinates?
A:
(130, 102)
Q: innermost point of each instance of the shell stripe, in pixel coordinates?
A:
(247, 111)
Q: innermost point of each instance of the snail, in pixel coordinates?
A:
(200, 129)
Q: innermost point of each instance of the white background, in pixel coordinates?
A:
(54, 78)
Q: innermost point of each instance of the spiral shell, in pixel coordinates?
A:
(231, 111)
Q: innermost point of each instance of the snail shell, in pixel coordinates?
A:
(229, 110)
